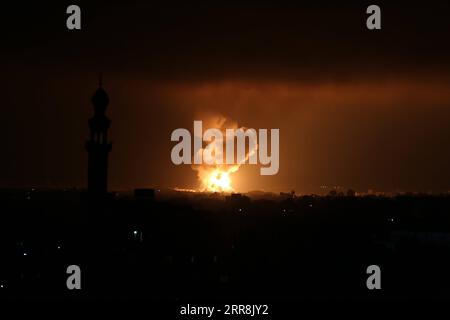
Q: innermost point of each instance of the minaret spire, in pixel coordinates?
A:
(98, 146)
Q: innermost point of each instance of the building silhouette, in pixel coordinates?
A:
(98, 146)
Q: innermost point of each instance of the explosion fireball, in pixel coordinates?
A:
(217, 177)
(219, 181)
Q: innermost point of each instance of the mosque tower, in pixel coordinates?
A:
(98, 146)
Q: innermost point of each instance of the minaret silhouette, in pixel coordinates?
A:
(98, 146)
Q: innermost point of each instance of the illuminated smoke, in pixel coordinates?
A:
(217, 177)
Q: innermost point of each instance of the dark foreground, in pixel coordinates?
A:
(197, 248)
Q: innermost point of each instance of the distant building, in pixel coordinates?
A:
(288, 195)
(237, 200)
(98, 146)
(144, 193)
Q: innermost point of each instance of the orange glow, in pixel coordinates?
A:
(218, 181)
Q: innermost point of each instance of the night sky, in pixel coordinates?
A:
(357, 108)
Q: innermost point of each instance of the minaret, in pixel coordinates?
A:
(98, 146)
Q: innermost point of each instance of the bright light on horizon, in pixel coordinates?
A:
(218, 181)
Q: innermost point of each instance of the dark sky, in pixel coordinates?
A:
(357, 108)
